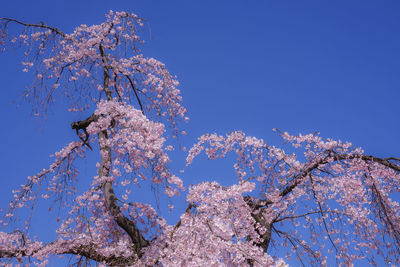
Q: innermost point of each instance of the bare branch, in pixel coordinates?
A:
(134, 90)
(43, 26)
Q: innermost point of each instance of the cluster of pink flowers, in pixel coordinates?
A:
(217, 233)
(136, 142)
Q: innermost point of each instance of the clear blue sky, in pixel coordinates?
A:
(300, 66)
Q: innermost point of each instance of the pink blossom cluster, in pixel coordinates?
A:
(136, 143)
(220, 232)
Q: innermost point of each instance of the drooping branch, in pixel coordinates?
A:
(322, 213)
(134, 90)
(62, 157)
(383, 211)
(310, 213)
(43, 26)
(298, 245)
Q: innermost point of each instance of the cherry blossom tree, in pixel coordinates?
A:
(323, 201)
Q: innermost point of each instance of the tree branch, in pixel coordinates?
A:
(63, 247)
(134, 90)
(78, 125)
(44, 26)
(259, 218)
(82, 125)
(327, 159)
(110, 199)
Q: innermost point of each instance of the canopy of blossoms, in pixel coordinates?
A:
(326, 200)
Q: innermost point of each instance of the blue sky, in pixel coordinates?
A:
(300, 66)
